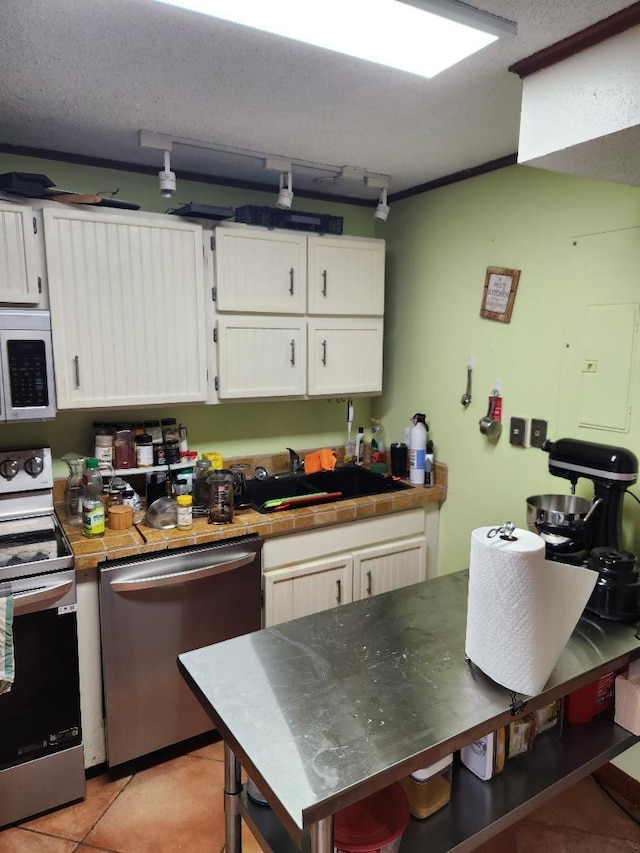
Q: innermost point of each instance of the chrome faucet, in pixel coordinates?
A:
(295, 464)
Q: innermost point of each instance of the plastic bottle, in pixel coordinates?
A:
(185, 512)
(378, 446)
(92, 505)
(417, 450)
(429, 469)
(359, 452)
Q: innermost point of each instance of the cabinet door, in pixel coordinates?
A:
(18, 267)
(127, 308)
(345, 356)
(346, 276)
(260, 271)
(390, 566)
(261, 357)
(308, 588)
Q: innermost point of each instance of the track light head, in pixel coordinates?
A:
(382, 210)
(285, 196)
(167, 178)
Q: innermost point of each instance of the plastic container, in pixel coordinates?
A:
(144, 450)
(417, 450)
(185, 512)
(103, 444)
(373, 825)
(582, 705)
(154, 430)
(92, 505)
(429, 789)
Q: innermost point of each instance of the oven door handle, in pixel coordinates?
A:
(174, 578)
(24, 601)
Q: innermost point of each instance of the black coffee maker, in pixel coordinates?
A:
(593, 538)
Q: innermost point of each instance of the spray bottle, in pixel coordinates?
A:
(417, 450)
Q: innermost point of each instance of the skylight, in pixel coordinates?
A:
(400, 34)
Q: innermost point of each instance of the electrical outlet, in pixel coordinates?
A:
(518, 432)
(538, 432)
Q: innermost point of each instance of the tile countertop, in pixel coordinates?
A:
(141, 539)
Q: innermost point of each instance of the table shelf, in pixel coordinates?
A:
(479, 810)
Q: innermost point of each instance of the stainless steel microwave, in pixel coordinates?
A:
(27, 387)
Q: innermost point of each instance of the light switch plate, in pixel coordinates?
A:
(518, 432)
(538, 432)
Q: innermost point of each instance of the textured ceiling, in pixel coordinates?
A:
(85, 76)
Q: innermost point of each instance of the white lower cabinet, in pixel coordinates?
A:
(341, 566)
(308, 588)
(386, 567)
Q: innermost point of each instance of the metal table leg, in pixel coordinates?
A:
(322, 835)
(232, 789)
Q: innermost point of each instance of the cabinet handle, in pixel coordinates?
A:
(293, 353)
(324, 353)
(339, 595)
(369, 585)
(291, 274)
(76, 366)
(324, 283)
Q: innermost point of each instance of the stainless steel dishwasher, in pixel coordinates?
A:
(152, 609)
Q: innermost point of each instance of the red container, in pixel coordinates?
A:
(582, 705)
(373, 825)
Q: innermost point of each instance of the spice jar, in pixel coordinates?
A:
(172, 452)
(185, 512)
(170, 430)
(153, 428)
(144, 450)
(103, 444)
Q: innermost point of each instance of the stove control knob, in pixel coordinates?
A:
(34, 465)
(9, 468)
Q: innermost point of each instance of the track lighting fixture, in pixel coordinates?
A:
(167, 178)
(285, 196)
(382, 210)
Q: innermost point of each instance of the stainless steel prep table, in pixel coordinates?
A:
(326, 709)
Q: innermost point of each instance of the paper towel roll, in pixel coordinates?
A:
(521, 608)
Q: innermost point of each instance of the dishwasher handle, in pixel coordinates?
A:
(173, 578)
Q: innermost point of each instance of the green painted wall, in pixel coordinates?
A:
(231, 429)
(439, 246)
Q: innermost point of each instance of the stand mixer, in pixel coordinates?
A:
(589, 533)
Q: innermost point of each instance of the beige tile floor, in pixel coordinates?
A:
(175, 805)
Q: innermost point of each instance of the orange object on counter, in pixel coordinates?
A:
(320, 460)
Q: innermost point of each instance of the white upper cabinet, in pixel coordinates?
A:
(334, 287)
(127, 308)
(18, 255)
(346, 276)
(345, 356)
(261, 357)
(261, 271)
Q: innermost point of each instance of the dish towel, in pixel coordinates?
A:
(320, 460)
(7, 661)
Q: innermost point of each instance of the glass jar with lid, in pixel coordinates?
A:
(154, 430)
(170, 431)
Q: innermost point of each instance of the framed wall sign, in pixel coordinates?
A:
(499, 294)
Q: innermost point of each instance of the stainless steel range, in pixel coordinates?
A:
(41, 753)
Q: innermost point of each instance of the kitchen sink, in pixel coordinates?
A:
(260, 491)
(308, 489)
(354, 482)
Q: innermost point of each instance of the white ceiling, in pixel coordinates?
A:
(85, 76)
